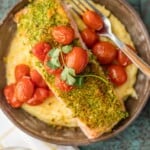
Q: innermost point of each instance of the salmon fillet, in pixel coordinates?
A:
(94, 105)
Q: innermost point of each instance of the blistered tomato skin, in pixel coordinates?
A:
(39, 96)
(21, 70)
(123, 59)
(24, 89)
(93, 20)
(89, 37)
(40, 50)
(77, 59)
(51, 94)
(9, 92)
(63, 34)
(62, 85)
(105, 52)
(10, 97)
(37, 79)
(117, 74)
(15, 103)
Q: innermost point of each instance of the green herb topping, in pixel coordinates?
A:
(40, 18)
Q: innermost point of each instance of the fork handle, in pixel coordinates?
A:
(142, 65)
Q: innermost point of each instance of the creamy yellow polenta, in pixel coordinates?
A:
(52, 111)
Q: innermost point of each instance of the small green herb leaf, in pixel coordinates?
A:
(68, 75)
(54, 62)
(66, 49)
(79, 81)
(51, 65)
(95, 76)
(54, 52)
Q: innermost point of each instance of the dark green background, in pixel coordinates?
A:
(143, 8)
(137, 136)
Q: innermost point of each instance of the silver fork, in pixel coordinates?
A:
(80, 6)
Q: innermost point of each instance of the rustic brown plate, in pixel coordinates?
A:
(71, 136)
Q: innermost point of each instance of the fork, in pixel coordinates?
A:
(80, 6)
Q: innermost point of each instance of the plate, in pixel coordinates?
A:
(74, 136)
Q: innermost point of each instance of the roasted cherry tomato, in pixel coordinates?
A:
(39, 96)
(77, 59)
(50, 70)
(10, 96)
(63, 34)
(37, 79)
(123, 59)
(105, 52)
(15, 103)
(51, 94)
(9, 92)
(93, 20)
(21, 70)
(62, 85)
(89, 37)
(117, 74)
(24, 89)
(40, 50)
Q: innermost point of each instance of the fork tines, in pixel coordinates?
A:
(80, 6)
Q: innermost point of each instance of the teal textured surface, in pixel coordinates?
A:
(137, 136)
